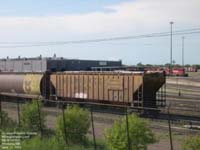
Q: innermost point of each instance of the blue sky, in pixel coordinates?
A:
(52, 7)
(64, 20)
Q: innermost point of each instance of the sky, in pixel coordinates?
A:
(67, 20)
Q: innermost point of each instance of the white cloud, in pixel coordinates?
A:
(136, 17)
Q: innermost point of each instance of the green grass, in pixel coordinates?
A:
(52, 143)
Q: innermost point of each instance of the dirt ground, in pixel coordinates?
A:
(164, 144)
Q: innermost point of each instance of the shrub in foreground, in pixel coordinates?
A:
(140, 135)
(6, 122)
(52, 143)
(43, 144)
(192, 143)
(31, 118)
(77, 123)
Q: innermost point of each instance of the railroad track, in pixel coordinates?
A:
(189, 98)
(192, 79)
(154, 114)
(180, 130)
(183, 87)
(177, 118)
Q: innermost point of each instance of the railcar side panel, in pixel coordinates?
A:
(123, 88)
(99, 87)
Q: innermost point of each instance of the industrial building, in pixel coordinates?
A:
(42, 64)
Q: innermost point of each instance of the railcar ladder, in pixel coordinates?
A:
(161, 96)
(139, 101)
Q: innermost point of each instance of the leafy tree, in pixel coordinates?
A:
(167, 65)
(140, 64)
(32, 118)
(77, 123)
(149, 65)
(192, 143)
(140, 134)
(197, 66)
(187, 65)
(177, 66)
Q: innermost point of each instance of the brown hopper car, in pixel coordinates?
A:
(123, 88)
(130, 88)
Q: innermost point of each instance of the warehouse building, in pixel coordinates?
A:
(39, 64)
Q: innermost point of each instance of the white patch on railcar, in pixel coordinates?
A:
(81, 95)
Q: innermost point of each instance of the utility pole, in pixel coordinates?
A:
(170, 129)
(171, 23)
(183, 38)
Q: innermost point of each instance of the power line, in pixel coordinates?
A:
(121, 37)
(37, 44)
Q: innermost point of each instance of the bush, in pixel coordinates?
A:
(43, 144)
(192, 143)
(77, 123)
(140, 134)
(30, 118)
(6, 122)
(52, 143)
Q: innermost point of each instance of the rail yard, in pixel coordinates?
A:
(150, 95)
(183, 93)
(100, 75)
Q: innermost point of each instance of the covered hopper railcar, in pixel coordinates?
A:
(124, 88)
(121, 88)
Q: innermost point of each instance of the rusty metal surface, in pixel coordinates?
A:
(132, 87)
(103, 86)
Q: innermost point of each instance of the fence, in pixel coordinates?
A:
(102, 116)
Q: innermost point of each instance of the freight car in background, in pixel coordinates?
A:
(119, 88)
(175, 72)
(178, 72)
(191, 69)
